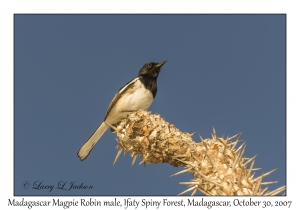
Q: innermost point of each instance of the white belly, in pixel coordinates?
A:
(138, 98)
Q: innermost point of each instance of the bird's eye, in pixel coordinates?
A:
(149, 65)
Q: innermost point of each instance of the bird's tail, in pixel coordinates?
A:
(86, 148)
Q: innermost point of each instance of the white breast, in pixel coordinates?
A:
(138, 98)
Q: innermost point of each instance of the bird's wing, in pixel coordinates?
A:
(119, 94)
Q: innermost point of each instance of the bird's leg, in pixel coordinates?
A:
(113, 126)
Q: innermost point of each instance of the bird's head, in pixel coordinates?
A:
(151, 69)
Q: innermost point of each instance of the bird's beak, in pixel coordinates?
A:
(161, 64)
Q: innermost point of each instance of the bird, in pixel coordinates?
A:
(138, 93)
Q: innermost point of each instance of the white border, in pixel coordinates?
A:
(8, 8)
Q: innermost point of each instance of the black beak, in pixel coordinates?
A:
(161, 64)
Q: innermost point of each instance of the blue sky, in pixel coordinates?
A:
(226, 71)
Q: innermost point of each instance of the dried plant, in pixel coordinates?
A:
(218, 165)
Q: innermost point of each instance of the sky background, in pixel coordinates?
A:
(226, 71)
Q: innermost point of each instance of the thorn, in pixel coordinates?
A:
(201, 138)
(264, 190)
(236, 160)
(225, 144)
(248, 161)
(214, 134)
(239, 178)
(196, 158)
(185, 162)
(194, 192)
(143, 161)
(201, 175)
(208, 179)
(251, 166)
(192, 134)
(122, 145)
(240, 146)
(234, 145)
(232, 137)
(243, 151)
(188, 190)
(267, 183)
(236, 141)
(266, 174)
(276, 191)
(117, 156)
(180, 172)
(208, 156)
(257, 186)
(133, 159)
(240, 155)
(189, 183)
(222, 140)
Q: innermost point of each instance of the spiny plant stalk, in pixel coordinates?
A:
(218, 165)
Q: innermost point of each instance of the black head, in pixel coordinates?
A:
(151, 69)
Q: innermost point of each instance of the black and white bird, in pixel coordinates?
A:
(137, 94)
